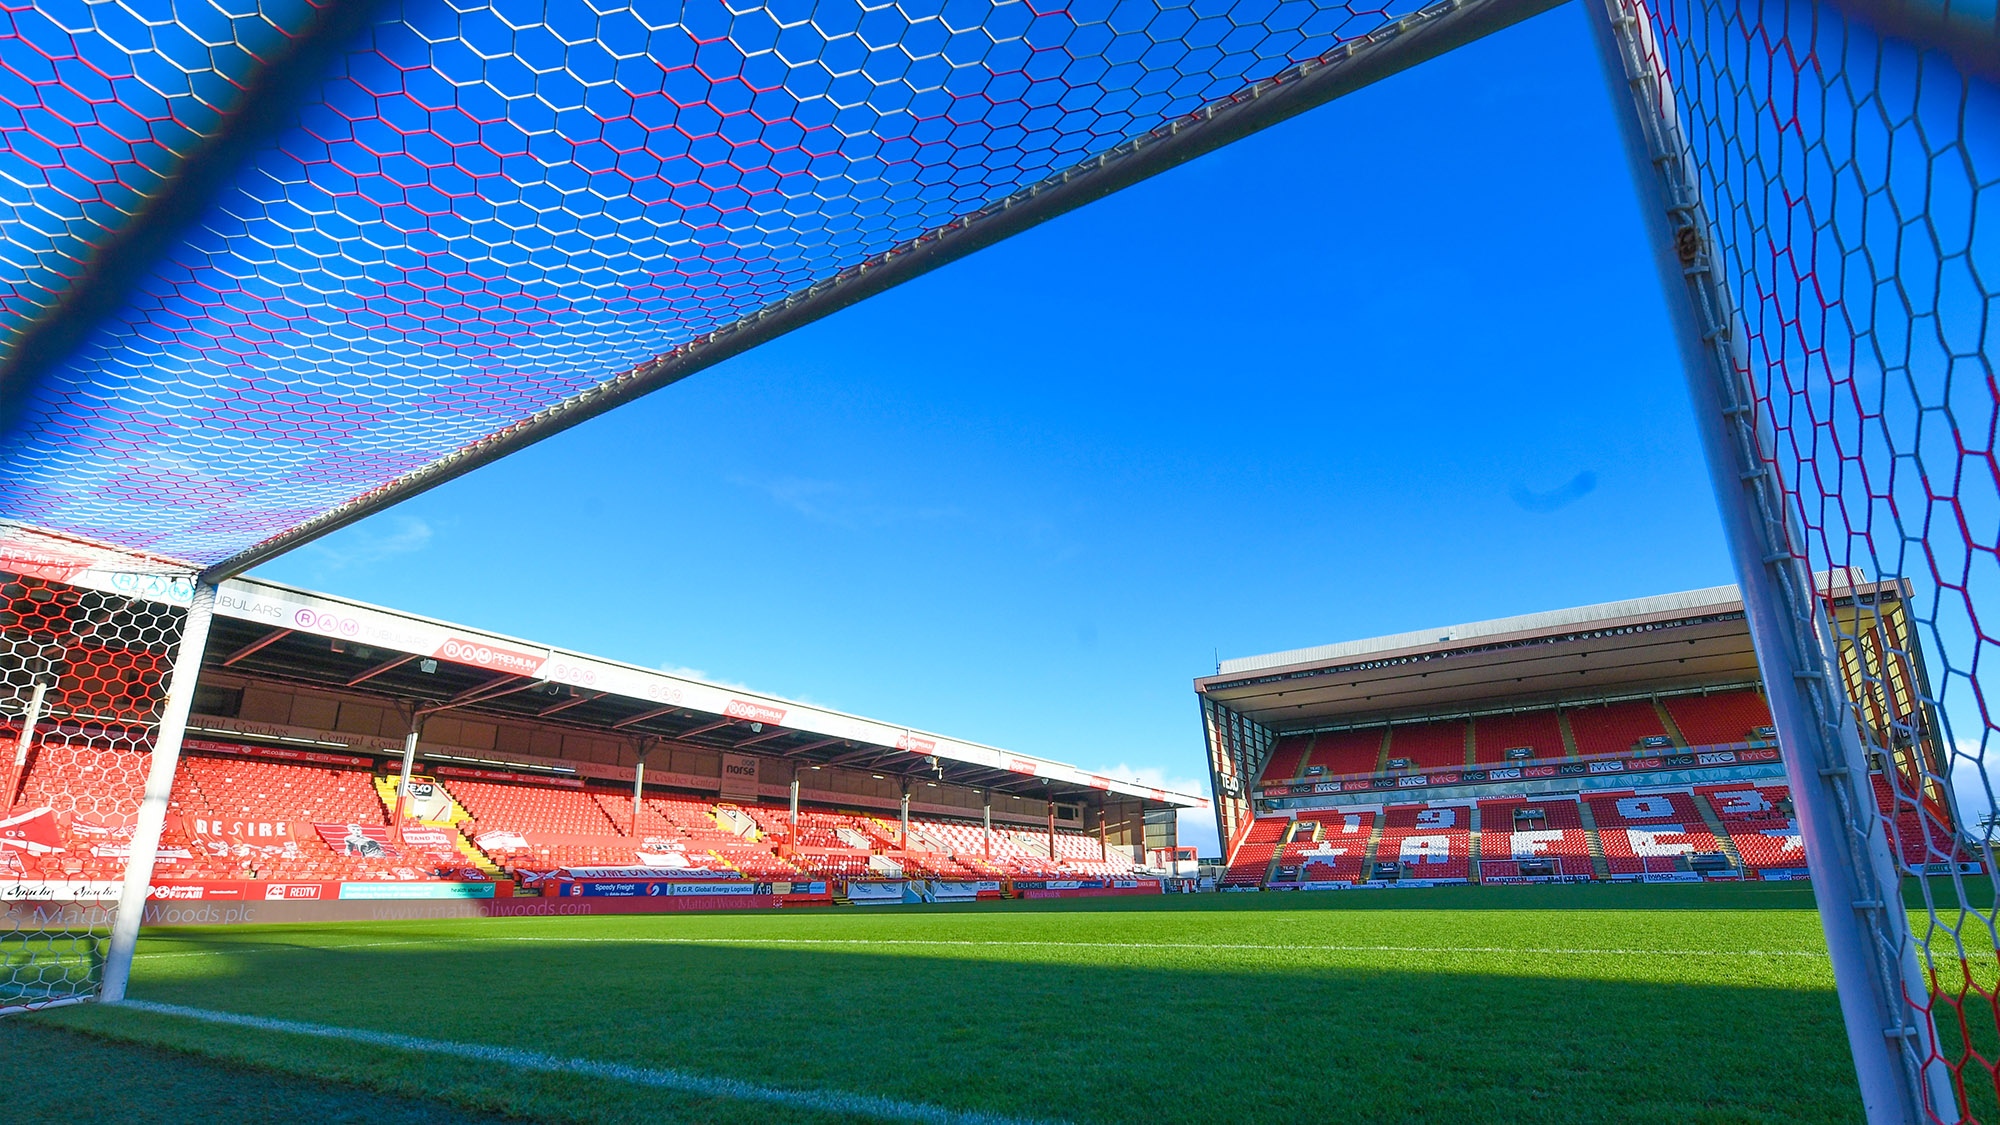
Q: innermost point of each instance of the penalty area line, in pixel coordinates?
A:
(822, 1101)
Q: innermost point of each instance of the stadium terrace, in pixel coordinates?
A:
(1629, 741)
(339, 754)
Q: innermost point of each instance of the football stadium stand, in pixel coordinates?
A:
(1288, 759)
(1652, 832)
(1759, 822)
(532, 771)
(1628, 741)
(1427, 842)
(1614, 728)
(1532, 837)
(1723, 719)
(1349, 751)
(238, 818)
(1529, 734)
(1429, 745)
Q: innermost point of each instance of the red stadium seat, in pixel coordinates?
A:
(1614, 728)
(1429, 745)
(1432, 841)
(1513, 829)
(1722, 719)
(1347, 751)
(1650, 833)
(1253, 856)
(1538, 731)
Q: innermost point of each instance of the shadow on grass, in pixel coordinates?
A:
(1746, 895)
(1164, 1038)
(61, 1077)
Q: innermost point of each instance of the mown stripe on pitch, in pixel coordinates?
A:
(823, 1101)
(1307, 947)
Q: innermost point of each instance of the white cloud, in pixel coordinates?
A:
(842, 505)
(687, 673)
(368, 543)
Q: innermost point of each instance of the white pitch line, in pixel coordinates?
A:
(1543, 951)
(823, 1101)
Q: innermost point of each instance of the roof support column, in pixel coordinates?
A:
(1052, 829)
(986, 832)
(27, 740)
(795, 804)
(904, 840)
(403, 785)
(638, 787)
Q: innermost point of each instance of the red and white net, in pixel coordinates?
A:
(1851, 182)
(83, 676)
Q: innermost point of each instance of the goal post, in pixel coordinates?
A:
(97, 675)
(1771, 388)
(138, 881)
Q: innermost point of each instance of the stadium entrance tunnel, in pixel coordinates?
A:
(1264, 1012)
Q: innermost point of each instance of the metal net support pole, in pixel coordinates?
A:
(1883, 995)
(159, 786)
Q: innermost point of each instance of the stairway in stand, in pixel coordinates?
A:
(1374, 841)
(1598, 868)
(1715, 825)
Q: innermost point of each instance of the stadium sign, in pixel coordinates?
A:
(739, 778)
(653, 888)
(1643, 763)
(415, 890)
(757, 712)
(273, 731)
(504, 775)
(875, 893)
(249, 832)
(62, 890)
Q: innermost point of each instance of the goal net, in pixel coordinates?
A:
(1822, 183)
(83, 684)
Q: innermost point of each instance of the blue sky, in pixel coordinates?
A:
(1399, 362)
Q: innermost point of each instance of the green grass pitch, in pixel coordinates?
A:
(1527, 1004)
